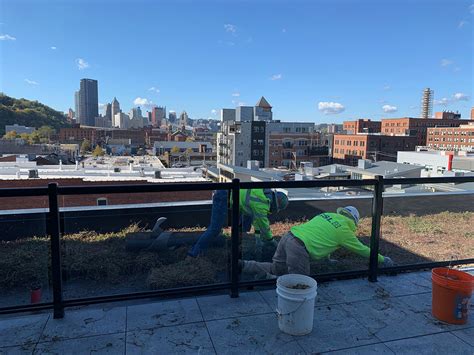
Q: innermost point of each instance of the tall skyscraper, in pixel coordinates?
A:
(183, 119)
(114, 110)
(158, 114)
(88, 100)
(427, 103)
(262, 110)
(108, 112)
(76, 103)
(172, 117)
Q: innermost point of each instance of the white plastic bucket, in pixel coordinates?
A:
(296, 306)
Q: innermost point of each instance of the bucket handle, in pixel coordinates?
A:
(278, 312)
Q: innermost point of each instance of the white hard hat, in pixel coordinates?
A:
(351, 212)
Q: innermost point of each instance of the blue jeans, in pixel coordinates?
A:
(218, 221)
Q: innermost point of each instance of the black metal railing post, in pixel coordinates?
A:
(54, 232)
(377, 210)
(235, 240)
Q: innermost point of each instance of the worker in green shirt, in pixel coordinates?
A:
(315, 239)
(255, 207)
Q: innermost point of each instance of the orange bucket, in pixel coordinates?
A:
(451, 294)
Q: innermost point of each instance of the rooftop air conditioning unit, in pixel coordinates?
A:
(33, 174)
(364, 164)
(253, 165)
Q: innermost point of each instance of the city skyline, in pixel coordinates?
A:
(316, 62)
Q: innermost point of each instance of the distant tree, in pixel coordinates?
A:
(25, 137)
(189, 151)
(29, 113)
(98, 151)
(10, 135)
(46, 132)
(34, 138)
(85, 146)
(175, 150)
(190, 139)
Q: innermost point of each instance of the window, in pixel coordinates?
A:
(102, 201)
(356, 143)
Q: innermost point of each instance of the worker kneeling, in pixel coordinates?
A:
(255, 206)
(315, 239)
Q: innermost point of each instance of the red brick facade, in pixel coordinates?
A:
(452, 138)
(286, 149)
(348, 148)
(416, 126)
(362, 126)
(11, 203)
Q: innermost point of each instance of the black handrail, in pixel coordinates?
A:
(53, 191)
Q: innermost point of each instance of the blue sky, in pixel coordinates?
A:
(321, 61)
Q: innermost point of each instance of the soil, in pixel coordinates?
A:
(299, 287)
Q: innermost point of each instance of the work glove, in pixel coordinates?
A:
(387, 262)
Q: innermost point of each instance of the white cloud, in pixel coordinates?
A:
(387, 87)
(53, 48)
(446, 62)
(444, 101)
(389, 108)
(154, 89)
(31, 82)
(213, 111)
(471, 9)
(236, 94)
(276, 77)
(462, 23)
(230, 28)
(102, 106)
(141, 101)
(459, 96)
(82, 64)
(7, 37)
(414, 107)
(330, 108)
(241, 103)
(227, 43)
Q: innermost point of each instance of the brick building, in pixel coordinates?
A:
(348, 148)
(418, 127)
(447, 115)
(451, 138)
(290, 149)
(363, 125)
(77, 134)
(12, 203)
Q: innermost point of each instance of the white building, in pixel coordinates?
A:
(121, 120)
(19, 129)
(437, 162)
(115, 108)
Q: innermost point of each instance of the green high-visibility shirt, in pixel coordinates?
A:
(256, 204)
(327, 232)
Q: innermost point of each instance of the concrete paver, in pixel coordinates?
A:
(22, 330)
(85, 322)
(444, 343)
(391, 319)
(101, 344)
(252, 335)
(467, 335)
(159, 314)
(335, 328)
(363, 350)
(222, 306)
(181, 339)
(351, 317)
